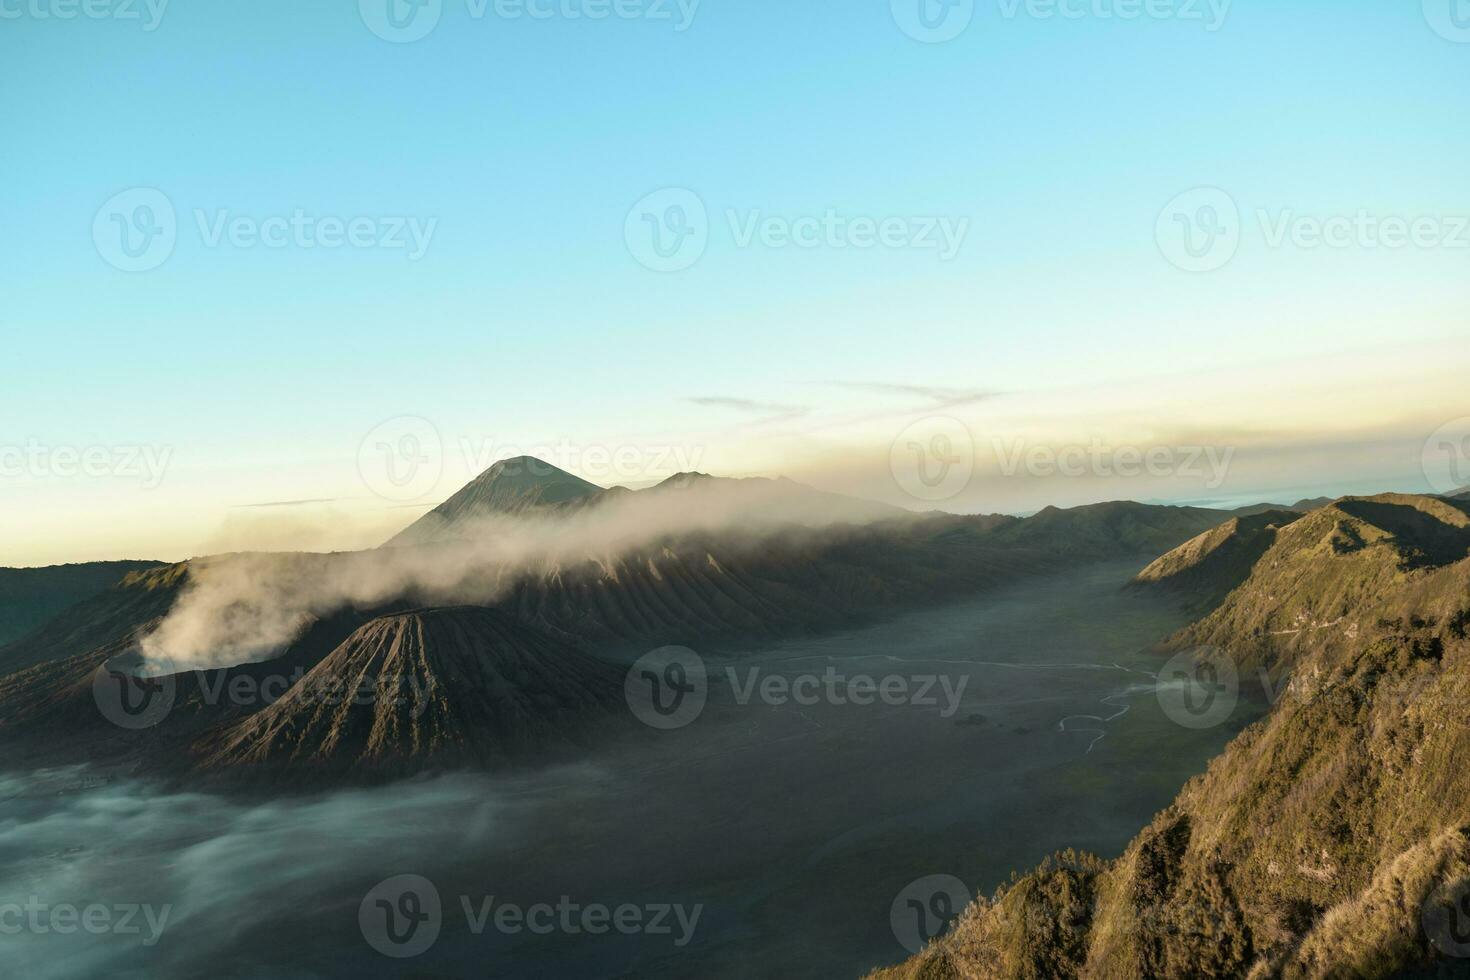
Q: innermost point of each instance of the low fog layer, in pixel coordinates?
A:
(209, 872)
(239, 608)
(781, 819)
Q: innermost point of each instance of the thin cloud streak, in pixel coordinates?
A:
(287, 503)
(772, 412)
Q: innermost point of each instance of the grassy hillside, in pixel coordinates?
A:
(1332, 838)
(1205, 569)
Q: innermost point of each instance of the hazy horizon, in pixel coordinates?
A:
(359, 519)
(1053, 227)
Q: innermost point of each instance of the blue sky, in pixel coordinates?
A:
(529, 319)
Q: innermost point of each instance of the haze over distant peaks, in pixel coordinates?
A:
(526, 485)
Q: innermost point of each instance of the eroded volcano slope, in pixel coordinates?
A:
(429, 687)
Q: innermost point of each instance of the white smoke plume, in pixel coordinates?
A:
(239, 608)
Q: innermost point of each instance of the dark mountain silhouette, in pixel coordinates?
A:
(511, 486)
(1300, 507)
(115, 614)
(1310, 503)
(1116, 527)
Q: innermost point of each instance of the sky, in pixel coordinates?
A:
(285, 275)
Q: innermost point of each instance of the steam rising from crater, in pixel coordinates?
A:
(239, 608)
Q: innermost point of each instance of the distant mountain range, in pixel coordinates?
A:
(739, 561)
(525, 486)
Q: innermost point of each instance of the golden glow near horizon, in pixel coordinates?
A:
(1353, 422)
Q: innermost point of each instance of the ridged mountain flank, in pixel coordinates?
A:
(429, 688)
